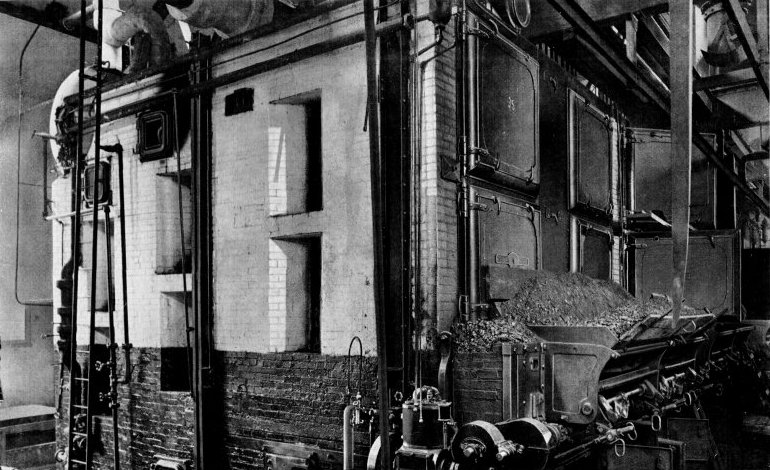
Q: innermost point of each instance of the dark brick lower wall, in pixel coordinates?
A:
(289, 398)
(478, 386)
(277, 403)
(151, 422)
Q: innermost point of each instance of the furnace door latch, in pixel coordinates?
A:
(512, 260)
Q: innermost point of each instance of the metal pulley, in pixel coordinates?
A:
(476, 443)
(534, 441)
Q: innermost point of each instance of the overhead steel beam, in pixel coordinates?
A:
(740, 143)
(734, 78)
(650, 27)
(618, 64)
(632, 26)
(734, 10)
(584, 24)
(755, 156)
(547, 21)
(740, 183)
(50, 18)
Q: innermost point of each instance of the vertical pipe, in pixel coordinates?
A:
(114, 405)
(206, 420)
(75, 250)
(462, 152)
(123, 270)
(574, 245)
(681, 143)
(95, 233)
(417, 99)
(377, 229)
(182, 245)
(472, 143)
(18, 177)
(347, 438)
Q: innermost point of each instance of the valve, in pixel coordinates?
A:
(614, 437)
(357, 415)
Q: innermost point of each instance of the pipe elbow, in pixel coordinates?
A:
(229, 17)
(347, 437)
(141, 20)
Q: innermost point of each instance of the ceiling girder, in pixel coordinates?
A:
(734, 10)
(546, 21)
(733, 78)
(585, 26)
(49, 18)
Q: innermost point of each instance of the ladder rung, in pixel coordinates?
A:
(78, 433)
(78, 461)
(82, 379)
(82, 407)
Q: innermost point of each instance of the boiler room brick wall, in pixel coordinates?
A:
(478, 386)
(151, 422)
(292, 398)
(144, 286)
(268, 395)
(438, 250)
(243, 225)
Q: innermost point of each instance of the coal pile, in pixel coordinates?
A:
(568, 299)
(557, 299)
(481, 335)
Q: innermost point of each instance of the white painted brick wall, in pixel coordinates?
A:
(439, 216)
(243, 226)
(244, 317)
(145, 288)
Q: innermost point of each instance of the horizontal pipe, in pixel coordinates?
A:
(203, 54)
(68, 21)
(75, 213)
(249, 71)
(614, 382)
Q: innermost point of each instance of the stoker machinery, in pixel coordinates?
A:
(582, 398)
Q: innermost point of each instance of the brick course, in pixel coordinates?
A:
(267, 398)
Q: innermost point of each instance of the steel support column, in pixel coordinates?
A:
(681, 142)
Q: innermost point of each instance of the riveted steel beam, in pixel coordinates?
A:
(582, 22)
(734, 10)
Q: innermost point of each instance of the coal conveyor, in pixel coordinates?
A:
(582, 398)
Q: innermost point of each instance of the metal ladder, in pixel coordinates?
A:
(80, 445)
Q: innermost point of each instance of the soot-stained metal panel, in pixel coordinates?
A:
(591, 157)
(509, 232)
(595, 251)
(650, 155)
(508, 117)
(713, 269)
